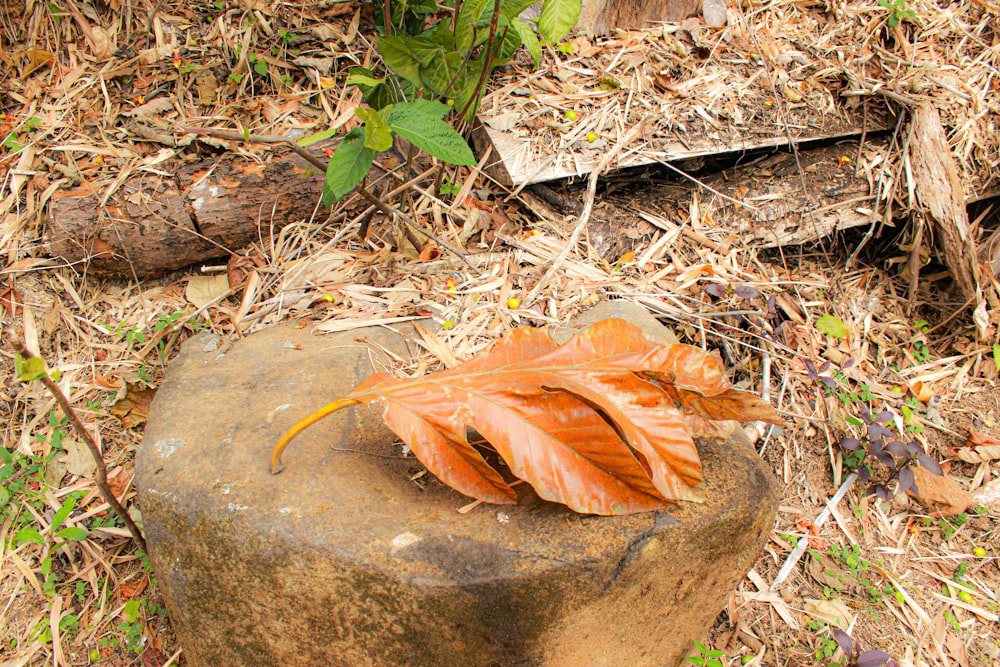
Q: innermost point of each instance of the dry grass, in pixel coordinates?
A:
(95, 97)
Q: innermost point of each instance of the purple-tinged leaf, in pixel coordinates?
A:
(828, 381)
(717, 290)
(907, 481)
(873, 659)
(746, 292)
(931, 465)
(885, 458)
(865, 416)
(876, 431)
(847, 363)
(852, 444)
(845, 642)
(898, 447)
(884, 417)
(882, 492)
(871, 490)
(772, 302)
(825, 365)
(913, 448)
(864, 474)
(811, 370)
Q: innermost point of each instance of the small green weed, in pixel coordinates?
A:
(898, 12)
(707, 657)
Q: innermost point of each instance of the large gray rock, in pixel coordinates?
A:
(352, 559)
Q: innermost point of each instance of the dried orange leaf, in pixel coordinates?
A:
(598, 423)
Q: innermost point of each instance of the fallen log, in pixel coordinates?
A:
(153, 223)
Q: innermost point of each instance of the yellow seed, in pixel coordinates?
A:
(965, 597)
(513, 303)
(448, 325)
(979, 551)
(570, 115)
(592, 137)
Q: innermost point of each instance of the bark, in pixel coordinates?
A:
(153, 224)
(601, 16)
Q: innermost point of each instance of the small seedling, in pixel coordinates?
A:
(707, 657)
(898, 12)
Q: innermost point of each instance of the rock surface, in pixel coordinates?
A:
(351, 558)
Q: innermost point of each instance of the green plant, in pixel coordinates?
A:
(707, 657)
(429, 57)
(419, 121)
(131, 627)
(950, 526)
(898, 12)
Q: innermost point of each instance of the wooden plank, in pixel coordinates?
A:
(520, 163)
(695, 95)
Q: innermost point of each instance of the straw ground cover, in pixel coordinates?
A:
(919, 587)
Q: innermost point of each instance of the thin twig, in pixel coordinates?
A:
(101, 475)
(388, 209)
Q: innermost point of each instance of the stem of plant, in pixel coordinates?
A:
(487, 60)
(101, 475)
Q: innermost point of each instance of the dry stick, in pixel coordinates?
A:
(387, 209)
(101, 476)
(588, 207)
(800, 548)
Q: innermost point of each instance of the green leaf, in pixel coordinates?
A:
(443, 74)
(472, 24)
(72, 533)
(397, 56)
(831, 326)
(996, 356)
(528, 38)
(131, 611)
(317, 137)
(513, 8)
(347, 167)
(423, 49)
(557, 18)
(431, 134)
(28, 535)
(378, 136)
(425, 107)
(29, 369)
(363, 79)
(63, 512)
(4, 496)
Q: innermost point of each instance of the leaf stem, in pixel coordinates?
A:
(303, 424)
(101, 475)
